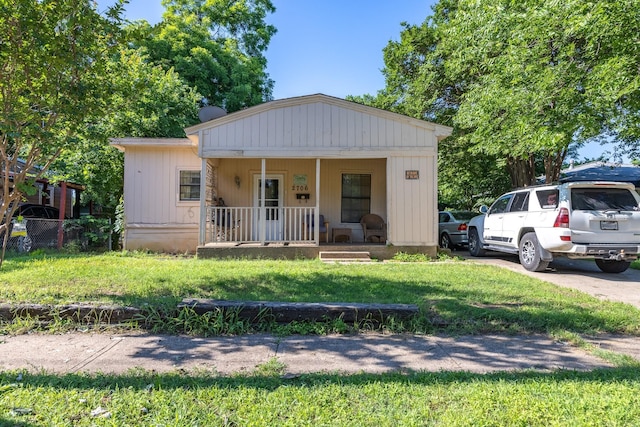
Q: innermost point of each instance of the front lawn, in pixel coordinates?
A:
(470, 298)
(454, 296)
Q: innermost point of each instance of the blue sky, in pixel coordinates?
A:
(332, 47)
(329, 46)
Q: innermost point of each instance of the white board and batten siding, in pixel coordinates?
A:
(155, 217)
(315, 126)
(400, 153)
(412, 203)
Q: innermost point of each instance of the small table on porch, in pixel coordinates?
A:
(344, 232)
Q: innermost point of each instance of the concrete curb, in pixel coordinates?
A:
(253, 311)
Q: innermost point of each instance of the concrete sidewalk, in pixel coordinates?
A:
(372, 353)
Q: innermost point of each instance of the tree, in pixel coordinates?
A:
(53, 56)
(145, 101)
(213, 45)
(216, 46)
(546, 75)
(522, 82)
(417, 85)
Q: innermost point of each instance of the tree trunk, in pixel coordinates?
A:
(553, 165)
(522, 171)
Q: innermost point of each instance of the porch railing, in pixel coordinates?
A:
(246, 224)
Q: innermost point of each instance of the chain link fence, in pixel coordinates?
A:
(81, 234)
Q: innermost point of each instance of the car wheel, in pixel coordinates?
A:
(475, 247)
(530, 253)
(608, 266)
(445, 241)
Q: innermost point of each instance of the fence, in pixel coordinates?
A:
(245, 224)
(38, 233)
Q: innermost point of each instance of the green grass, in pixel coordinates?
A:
(457, 297)
(470, 298)
(603, 397)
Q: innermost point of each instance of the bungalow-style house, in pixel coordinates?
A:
(261, 178)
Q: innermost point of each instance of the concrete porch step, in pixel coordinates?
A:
(345, 256)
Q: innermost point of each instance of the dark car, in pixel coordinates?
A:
(30, 210)
(452, 228)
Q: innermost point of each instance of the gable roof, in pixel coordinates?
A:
(310, 126)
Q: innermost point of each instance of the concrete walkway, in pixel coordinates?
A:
(372, 353)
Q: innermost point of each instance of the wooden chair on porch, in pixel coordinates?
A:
(309, 226)
(373, 226)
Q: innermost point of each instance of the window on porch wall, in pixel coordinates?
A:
(356, 197)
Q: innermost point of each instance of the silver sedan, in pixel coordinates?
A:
(452, 228)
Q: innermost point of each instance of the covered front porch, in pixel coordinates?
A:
(278, 202)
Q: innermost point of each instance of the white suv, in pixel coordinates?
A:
(599, 220)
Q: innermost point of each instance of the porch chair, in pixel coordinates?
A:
(309, 226)
(373, 226)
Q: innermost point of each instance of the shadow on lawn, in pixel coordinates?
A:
(501, 306)
(445, 308)
(145, 381)
(534, 384)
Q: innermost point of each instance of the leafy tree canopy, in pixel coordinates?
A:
(541, 76)
(53, 56)
(216, 46)
(522, 83)
(145, 101)
(202, 52)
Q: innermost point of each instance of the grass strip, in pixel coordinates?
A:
(264, 397)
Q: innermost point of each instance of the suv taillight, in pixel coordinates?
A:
(462, 227)
(562, 220)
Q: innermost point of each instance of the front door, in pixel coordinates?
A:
(273, 201)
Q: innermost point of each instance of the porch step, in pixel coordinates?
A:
(344, 256)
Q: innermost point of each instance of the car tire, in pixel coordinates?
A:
(530, 253)
(445, 241)
(609, 266)
(475, 246)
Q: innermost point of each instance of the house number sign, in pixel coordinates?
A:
(411, 175)
(300, 183)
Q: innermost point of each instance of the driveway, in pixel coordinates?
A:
(582, 275)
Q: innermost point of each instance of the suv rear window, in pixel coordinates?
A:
(548, 198)
(596, 199)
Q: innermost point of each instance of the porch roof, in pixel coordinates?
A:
(315, 126)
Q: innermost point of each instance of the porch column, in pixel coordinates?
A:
(203, 203)
(263, 208)
(316, 214)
